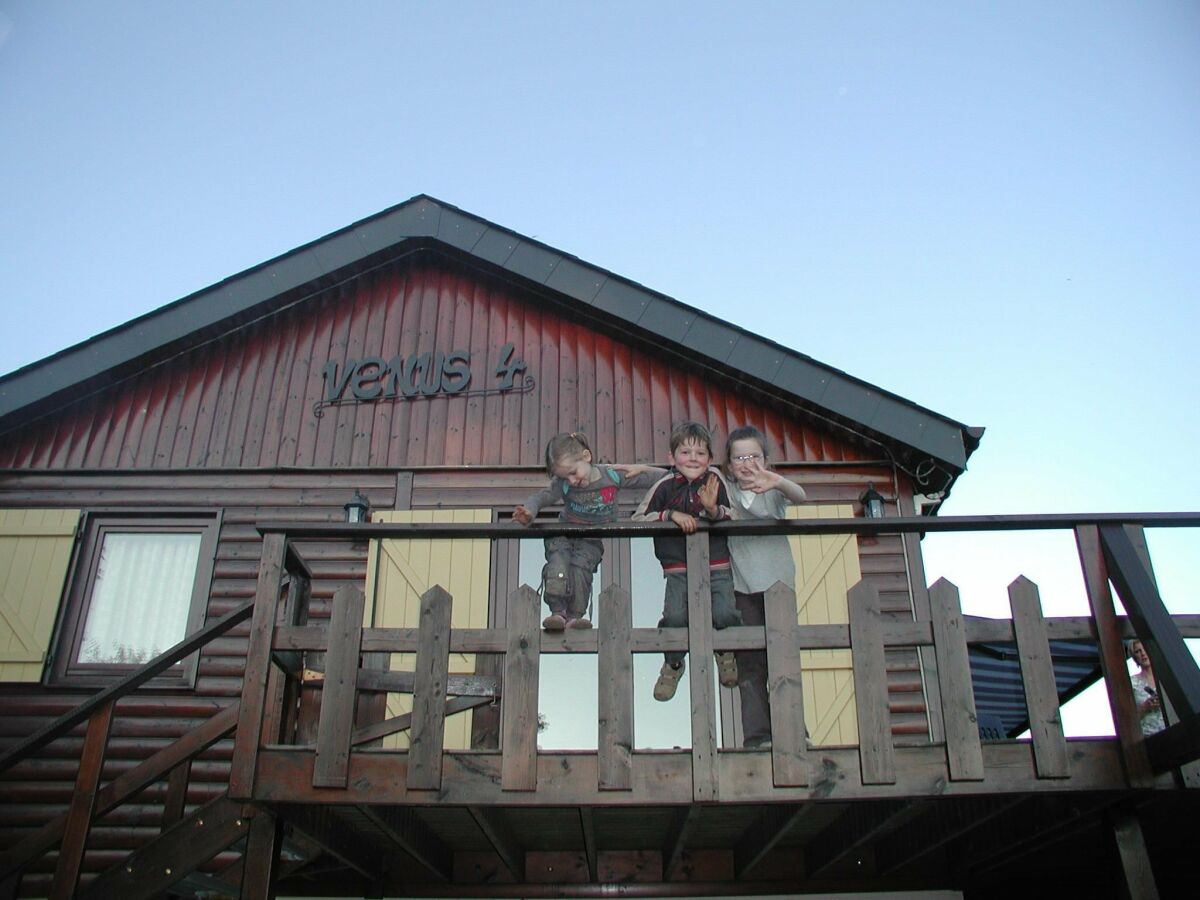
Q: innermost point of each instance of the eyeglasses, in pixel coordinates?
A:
(750, 458)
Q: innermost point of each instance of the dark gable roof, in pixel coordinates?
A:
(914, 434)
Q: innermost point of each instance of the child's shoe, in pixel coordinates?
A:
(582, 623)
(727, 669)
(554, 622)
(668, 681)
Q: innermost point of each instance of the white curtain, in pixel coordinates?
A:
(141, 596)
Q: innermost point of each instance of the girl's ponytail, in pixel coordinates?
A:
(573, 443)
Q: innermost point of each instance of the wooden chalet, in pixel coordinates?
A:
(213, 684)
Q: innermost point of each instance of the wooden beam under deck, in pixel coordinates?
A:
(664, 778)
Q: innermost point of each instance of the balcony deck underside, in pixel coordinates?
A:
(568, 838)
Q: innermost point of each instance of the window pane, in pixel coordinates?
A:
(655, 724)
(141, 596)
(567, 693)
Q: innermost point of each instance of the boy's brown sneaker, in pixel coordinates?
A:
(727, 669)
(582, 623)
(668, 681)
(554, 622)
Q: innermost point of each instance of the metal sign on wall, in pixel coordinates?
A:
(418, 376)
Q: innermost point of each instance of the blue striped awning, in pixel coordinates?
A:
(999, 693)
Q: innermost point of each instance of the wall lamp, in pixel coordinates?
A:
(357, 509)
(872, 502)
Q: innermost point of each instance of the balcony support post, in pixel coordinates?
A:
(1174, 667)
(963, 752)
(789, 755)
(518, 709)
(258, 661)
(876, 753)
(1112, 658)
(1037, 675)
(1135, 860)
(615, 683)
(429, 691)
(83, 804)
(705, 772)
(336, 722)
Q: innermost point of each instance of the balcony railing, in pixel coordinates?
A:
(1112, 551)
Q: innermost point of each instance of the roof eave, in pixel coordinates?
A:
(426, 222)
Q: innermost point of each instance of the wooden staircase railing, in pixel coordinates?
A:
(89, 800)
(186, 842)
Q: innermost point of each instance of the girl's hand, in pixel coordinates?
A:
(687, 523)
(522, 516)
(709, 492)
(761, 479)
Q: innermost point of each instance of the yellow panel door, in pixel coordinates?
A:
(35, 551)
(826, 568)
(400, 571)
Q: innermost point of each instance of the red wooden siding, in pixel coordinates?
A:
(245, 400)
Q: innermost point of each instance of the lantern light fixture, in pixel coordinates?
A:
(872, 502)
(357, 509)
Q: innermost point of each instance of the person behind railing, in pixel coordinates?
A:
(1145, 690)
(588, 493)
(757, 492)
(690, 490)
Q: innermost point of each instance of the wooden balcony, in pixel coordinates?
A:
(875, 814)
(949, 811)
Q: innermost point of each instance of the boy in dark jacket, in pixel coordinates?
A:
(691, 490)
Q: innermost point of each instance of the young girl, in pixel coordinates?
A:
(756, 492)
(588, 493)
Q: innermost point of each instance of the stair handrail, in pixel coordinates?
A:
(125, 686)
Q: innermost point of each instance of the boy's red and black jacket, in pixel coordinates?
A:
(673, 492)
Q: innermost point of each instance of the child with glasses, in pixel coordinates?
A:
(756, 492)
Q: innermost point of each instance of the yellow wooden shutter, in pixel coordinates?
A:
(35, 551)
(399, 571)
(826, 568)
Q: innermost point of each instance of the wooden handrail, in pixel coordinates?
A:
(884, 632)
(126, 685)
(306, 531)
(124, 786)
(810, 637)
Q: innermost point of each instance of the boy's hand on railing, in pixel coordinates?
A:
(522, 516)
(687, 523)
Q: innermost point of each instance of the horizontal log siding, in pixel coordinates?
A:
(245, 400)
(36, 790)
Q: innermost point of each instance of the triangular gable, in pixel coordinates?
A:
(916, 436)
(422, 363)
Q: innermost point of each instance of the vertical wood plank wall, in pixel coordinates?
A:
(245, 400)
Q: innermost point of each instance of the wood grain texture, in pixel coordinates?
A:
(518, 723)
(963, 752)
(615, 686)
(429, 691)
(870, 686)
(1037, 675)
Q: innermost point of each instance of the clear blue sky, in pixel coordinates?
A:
(992, 210)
